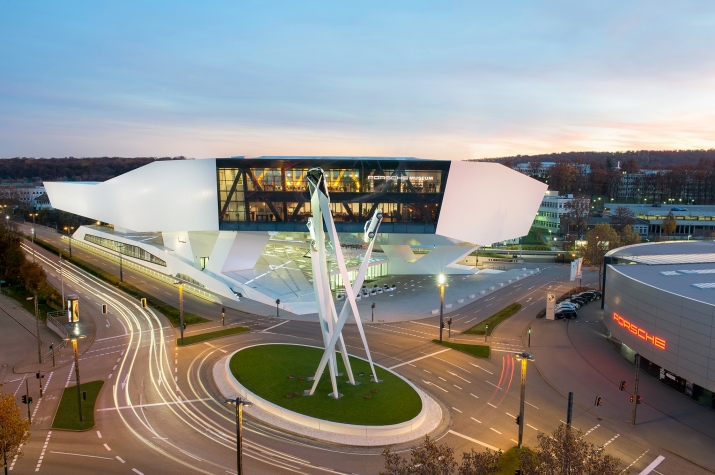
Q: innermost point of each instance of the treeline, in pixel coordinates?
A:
(642, 159)
(70, 168)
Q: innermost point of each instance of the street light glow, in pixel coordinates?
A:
(441, 279)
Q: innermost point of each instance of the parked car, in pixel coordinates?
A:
(593, 293)
(567, 305)
(567, 314)
(579, 300)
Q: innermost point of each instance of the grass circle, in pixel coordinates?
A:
(274, 372)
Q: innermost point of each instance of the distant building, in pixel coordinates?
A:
(22, 192)
(696, 221)
(541, 169)
(552, 209)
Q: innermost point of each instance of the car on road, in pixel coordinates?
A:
(657, 204)
(678, 209)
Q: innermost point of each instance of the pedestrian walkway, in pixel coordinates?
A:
(575, 355)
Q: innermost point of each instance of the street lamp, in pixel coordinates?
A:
(373, 311)
(121, 275)
(73, 338)
(441, 283)
(37, 320)
(181, 309)
(69, 229)
(239, 403)
(34, 234)
(523, 357)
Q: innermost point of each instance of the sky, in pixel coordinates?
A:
(443, 79)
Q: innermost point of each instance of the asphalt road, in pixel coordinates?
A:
(160, 413)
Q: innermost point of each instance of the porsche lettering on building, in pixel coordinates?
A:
(639, 332)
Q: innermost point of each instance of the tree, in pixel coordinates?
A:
(563, 177)
(431, 458)
(669, 224)
(621, 217)
(479, 463)
(14, 430)
(599, 240)
(566, 453)
(629, 236)
(577, 214)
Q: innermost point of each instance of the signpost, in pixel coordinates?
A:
(550, 304)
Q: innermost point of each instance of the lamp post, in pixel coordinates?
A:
(121, 274)
(373, 312)
(62, 282)
(441, 283)
(69, 230)
(37, 321)
(73, 338)
(181, 309)
(239, 403)
(223, 316)
(34, 234)
(278, 302)
(523, 357)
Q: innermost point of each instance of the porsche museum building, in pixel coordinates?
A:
(659, 302)
(236, 227)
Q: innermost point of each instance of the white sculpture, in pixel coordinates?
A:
(331, 323)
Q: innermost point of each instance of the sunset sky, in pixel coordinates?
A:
(450, 80)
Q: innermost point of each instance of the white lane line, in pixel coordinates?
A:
(492, 405)
(120, 459)
(509, 415)
(457, 387)
(440, 377)
(492, 428)
(44, 448)
(82, 455)
(137, 471)
(274, 326)
(432, 384)
(633, 463)
(99, 434)
(531, 404)
(425, 324)
(459, 377)
(652, 465)
(107, 447)
(490, 447)
(475, 420)
(457, 410)
(215, 347)
(532, 427)
(474, 395)
(154, 404)
(477, 366)
(493, 384)
(426, 371)
(417, 359)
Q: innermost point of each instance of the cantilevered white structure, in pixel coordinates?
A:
(236, 227)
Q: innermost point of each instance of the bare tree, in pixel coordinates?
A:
(565, 452)
(577, 214)
(479, 463)
(429, 458)
(621, 217)
(14, 430)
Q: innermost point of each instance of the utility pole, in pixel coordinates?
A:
(523, 357)
(635, 389)
(76, 373)
(569, 411)
(33, 235)
(529, 337)
(181, 309)
(121, 274)
(39, 376)
(486, 332)
(223, 316)
(440, 282)
(373, 312)
(240, 403)
(278, 302)
(37, 322)
(62, 282)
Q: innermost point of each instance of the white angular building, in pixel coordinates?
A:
(237, 226)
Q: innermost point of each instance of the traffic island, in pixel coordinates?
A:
(67, 415)
(478, 351)
(201, 337)
(274, 377)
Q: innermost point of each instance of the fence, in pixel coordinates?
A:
(169, 279)
(57, 327)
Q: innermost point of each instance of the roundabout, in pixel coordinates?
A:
(276, 377)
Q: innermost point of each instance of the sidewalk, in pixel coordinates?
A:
(576, 356)
(19, 340)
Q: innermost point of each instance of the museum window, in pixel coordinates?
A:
(124, 249)
(232, 206)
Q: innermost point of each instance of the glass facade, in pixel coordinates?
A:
(271, 193)
(124, 249)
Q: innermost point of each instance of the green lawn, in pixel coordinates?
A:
(190, 340)
(67, 416)
(265, 371)
(494, 320)
(479, 351)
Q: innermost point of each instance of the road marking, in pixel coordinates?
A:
(274, 326)
(493, 384)
(591, 430)
(425, 324)
(432, 384)
(426, 371)
(477, 366)
(492, 428)
(459, 377)
(457, 410)
(137, 471)
(652, 466)
(492, 405)
(490, 447)
(154, 404)
(216, 347)
(107, 447)
(475, 420)
(417, 359)
(99, 434)
(81, 455)
(531, 405)
(532, 427)
(44, 448)
(456, 386)
(120, 459)
(632, 463)
(440, 377)
(614, 438)
(474, 395)
(509, 415)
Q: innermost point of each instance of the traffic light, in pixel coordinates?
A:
(29, 400)
(623, 386)
(640, 399)
(517, 471)
(104, 308)
(37, 375)
(52, 347)
(84, 395)
(184, 325)
(518, 419)
(24, 399)
(631, 398)
(441, 325)
(598, 400)
(143, 303)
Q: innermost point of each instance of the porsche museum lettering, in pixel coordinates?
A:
(639, 332)
(414, 178)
